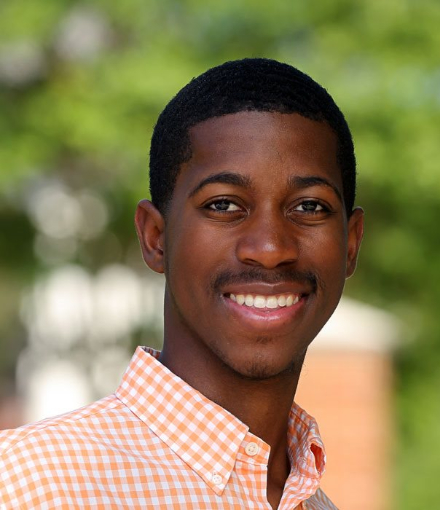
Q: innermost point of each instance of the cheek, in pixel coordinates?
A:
(327, 251)
(192, 256)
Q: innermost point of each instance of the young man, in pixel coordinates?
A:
(252, 221)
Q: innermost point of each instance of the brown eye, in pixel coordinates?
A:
(223, 206)
(310, 206)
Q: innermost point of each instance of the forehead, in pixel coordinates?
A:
(263, 146)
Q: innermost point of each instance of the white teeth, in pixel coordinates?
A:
(260, 302)
(282, 301)
(272, 302)
(249, 300)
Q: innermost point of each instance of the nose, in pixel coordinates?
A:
(267, 240)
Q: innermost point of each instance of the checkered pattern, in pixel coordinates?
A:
(156, 443)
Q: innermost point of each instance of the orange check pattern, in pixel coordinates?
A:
(155, 443)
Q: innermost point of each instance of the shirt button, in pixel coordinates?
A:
(252, 449)
(216, 479)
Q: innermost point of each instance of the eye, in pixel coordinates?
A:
(223, 205)
(310, 207)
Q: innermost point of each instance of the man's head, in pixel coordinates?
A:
(252, 220)
(253, 84)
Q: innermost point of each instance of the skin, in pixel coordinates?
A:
(257, 210)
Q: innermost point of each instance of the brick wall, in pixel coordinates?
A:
(349, 393)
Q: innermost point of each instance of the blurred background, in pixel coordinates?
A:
(81, 85)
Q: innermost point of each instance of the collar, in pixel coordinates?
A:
(207, 437)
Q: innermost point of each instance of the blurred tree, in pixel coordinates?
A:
(81, 84)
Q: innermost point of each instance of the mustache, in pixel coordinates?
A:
(259, 275)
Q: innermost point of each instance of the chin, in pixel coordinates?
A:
(261, 372)
(262, 368)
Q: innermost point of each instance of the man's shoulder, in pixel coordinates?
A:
(38, 459)
(319, 501)
(38, 435)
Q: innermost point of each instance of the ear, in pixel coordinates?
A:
(355, 234)
(150, 227)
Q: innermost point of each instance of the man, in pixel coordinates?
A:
(252, 221)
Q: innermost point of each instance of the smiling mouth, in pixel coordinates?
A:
(273, 302)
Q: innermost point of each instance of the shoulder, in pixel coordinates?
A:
(319, 501)
(36, 459)
(38, 434)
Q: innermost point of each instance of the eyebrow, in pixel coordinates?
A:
(298, 182)
(243, 181)
(223, 178)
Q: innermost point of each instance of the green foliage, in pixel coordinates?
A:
(82, 115)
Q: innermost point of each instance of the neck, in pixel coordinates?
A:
(262, 404)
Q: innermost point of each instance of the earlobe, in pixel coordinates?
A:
(355, 234)
(150, 226)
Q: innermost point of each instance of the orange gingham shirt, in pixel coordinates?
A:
(155, 443)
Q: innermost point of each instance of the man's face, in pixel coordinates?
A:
(257, 243)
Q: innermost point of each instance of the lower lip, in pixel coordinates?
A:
(265, 316)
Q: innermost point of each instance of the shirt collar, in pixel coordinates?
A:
(203, 434)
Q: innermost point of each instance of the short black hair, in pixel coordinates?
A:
(251, 84)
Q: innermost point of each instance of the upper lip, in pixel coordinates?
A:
(265, 289)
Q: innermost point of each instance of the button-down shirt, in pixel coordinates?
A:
(156, 443)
